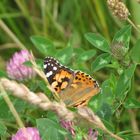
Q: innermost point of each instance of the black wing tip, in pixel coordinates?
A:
(49, 58)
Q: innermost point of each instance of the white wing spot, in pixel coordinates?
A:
(49, 74)
(45, 66)
(54, 68)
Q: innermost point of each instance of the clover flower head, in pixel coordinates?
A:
(28, 133)
(16, 69)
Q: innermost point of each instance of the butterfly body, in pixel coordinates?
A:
(75, 88)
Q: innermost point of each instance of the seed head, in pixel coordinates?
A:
(118, 8)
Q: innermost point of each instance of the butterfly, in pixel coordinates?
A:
(75, 88)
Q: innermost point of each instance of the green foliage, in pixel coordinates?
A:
(123, 36)
(86, 55)
(19, 105)
(83, 39)
(65, 54)
(43, 45)
(132, 103)
(50, 129)
(98, 41)
(135, 55)
(115, 89)
(3, 129)
(101, 61)
(3, 74)
(124, 81)
(28, 64)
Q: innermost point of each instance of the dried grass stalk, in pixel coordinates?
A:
(41, 100)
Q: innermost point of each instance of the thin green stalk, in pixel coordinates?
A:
(93, 15)
(10, 15)
(11, 34)
(11, 107)
(134, 123)
(11, 22)
(101, 18)
(135, 27)
(24, 10)
(11, 125)
(43, 12)
(81, 21)
(56, 25)
(55, 9)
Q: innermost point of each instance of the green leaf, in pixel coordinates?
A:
(98, 41)
(64, 55)
(124, 81)
(19, 105)
(102, 102)
(78, 51)
(123, 36)
(3, 73)
(128, 134)
(42, 85)
(28, 63)
(43, 45)
(105, 111)
(39, 63)
(95, 102)
(101, 61)
(132, 103)
(107, 90)
(108, 125)
(3, 129)
(51, 130)
(86, 55)
(135, 52)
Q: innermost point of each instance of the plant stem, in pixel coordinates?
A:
(11, 34)
(11, 107)
(113, 135)
(101, 18)
(24, 10)
(134, 122)
(43, 12)
(135, 27)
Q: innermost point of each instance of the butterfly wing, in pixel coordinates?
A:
(80, 91)
(74, 88)
(58, 76)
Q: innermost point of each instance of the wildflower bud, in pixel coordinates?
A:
(28, 133)
(92, 135)
(68, 125)
(118, 8)
(16, 69)
(118, 50)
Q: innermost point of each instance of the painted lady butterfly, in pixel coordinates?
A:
(75, 88)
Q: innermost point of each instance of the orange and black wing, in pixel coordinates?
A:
(75, 88)
(81, 90)
(59, 76)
